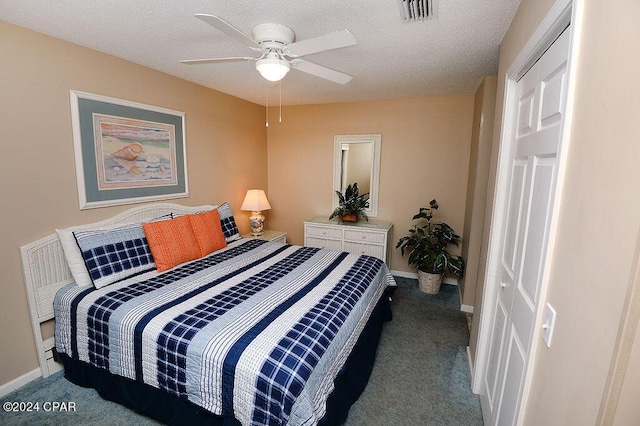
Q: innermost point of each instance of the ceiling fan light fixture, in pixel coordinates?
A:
(279, 52)
(272, 67)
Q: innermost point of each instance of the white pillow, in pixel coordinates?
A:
(74, 257)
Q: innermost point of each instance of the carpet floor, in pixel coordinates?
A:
(421, 375)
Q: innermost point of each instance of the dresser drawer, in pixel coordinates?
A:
(323, 232)
(364, 236)
(323, 243)
(368, 249)
(371, 238)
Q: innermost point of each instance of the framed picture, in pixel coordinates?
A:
(127, 152)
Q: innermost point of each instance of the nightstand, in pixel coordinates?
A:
(277, 236)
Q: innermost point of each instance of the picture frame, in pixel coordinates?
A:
(127, 152)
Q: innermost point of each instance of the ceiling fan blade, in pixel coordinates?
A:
(334, 40)
(228, 29)
(320, 71)
(214, 60)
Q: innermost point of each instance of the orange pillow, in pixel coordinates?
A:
(172, 242)
(208, 231)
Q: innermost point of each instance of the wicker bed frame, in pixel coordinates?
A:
(46, 271)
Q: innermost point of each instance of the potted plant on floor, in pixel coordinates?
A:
(427, 246)
(351, 204)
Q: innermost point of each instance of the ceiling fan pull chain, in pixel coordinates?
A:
(267, 92)
(280, 88)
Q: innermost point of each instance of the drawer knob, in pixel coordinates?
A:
(324, 232)
(364, 237)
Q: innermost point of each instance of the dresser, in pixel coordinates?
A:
(370, 238)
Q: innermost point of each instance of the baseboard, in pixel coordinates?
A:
(470, 362)
(450, 281)
(404, 274)
(447, 280)
(19, 382)
(466, 308)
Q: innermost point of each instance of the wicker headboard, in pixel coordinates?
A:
(46, 270)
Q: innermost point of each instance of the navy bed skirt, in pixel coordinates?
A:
(168, 409)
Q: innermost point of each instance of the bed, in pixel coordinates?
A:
(254, 332)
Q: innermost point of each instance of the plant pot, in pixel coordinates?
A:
(350, 218)
(429, 283)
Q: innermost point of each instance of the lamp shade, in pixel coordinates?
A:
(272, 67)
(255, 201)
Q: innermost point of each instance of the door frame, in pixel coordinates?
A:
(559, 16)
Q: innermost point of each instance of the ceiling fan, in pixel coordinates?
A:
(278, 51)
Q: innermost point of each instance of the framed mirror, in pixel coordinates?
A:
(356, 158)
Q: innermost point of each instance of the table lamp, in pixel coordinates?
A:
(256, 201)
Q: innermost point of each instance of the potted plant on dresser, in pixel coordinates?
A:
(427, 247)
(351, 204)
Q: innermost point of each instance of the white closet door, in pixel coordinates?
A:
(533, 149)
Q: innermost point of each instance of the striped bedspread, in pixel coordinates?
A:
(257, 331)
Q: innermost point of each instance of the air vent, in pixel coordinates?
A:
(418, 10)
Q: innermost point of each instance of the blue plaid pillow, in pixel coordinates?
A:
(114, 254)
(229, 227)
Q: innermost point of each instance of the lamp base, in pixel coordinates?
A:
(256, 220)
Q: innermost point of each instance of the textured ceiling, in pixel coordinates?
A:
(445, 56)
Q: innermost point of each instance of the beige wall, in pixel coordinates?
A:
(627, 407)
(226, 148)
(591, 268)
(477, 187)
(599, 213)
(425, 155)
